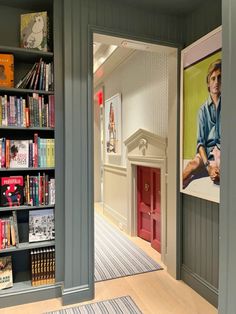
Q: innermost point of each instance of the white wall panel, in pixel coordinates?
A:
(142, 81)
(115, 195)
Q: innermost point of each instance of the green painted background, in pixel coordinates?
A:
(195, 94)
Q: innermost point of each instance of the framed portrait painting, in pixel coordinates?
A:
(113, 125)
(200, 118)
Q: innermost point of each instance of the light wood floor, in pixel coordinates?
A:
(154, 293)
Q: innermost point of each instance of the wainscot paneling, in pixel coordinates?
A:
(200, 264)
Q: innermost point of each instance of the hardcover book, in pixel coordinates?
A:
(12, 191)
(6, 280)
(41, 225)
(19, 154)
(34, 31)
(6, 70)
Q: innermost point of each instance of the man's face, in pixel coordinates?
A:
(214, 82)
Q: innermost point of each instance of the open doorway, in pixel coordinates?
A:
(138, 75)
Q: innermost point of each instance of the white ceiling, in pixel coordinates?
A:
(109, 52)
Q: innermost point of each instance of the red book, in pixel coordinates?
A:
(12, 191)
(35, 158)
(1, 234)
(27, 120)
(7, 153)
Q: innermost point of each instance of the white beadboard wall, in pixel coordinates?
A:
(142, 81)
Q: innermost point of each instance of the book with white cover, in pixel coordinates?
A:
(41, 225)
(19, 153)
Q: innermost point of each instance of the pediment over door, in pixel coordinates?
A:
(146, 144)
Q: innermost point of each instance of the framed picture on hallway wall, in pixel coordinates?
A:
(113, 125)
(200, 119)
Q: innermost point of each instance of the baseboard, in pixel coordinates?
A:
(115, 217)
(77, 294)
(202, 287)
(33, 294)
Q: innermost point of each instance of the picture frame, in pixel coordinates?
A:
(199, 171)
(113, 125)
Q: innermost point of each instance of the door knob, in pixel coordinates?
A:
(146, 187)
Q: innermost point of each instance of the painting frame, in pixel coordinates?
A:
(195, 62)
(113, 125)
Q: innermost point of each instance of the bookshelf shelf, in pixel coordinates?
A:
(29, 55)
(26, 169)
(18, 208)
(28, 246)
(17, 128)
(25, 286)
(24, 91)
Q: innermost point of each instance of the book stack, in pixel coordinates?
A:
(39, 190)
(33, 111)
(28, 190)
(9, 231)
(36, 153)
(43, 266)
(40, 77)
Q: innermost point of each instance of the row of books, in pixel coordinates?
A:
(8, 231)
(36, 153)
(39, 190)
(28, 190)
(43, 266)
(41, 228)
(39, 77)
(32, 111)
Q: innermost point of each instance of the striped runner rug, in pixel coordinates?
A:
(117, 256)
(122, 305)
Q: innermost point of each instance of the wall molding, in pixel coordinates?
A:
(119, 220)
(31, 295)
(115, 169)
(76, 294)
(200, 285)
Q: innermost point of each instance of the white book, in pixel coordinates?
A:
(41, 225)
(19, 153)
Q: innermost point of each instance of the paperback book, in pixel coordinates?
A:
(12, 191)
(19, 154)
(6, 280)
(6, 70)
(41, 225)
(34, 31)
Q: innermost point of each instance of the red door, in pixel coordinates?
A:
(156, 209)
(144, 203)
(149, 210)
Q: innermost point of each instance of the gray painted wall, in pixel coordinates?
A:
(200, 218)
(227, 282)
(203, 20)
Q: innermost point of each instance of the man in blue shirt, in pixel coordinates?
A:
(209, 131)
